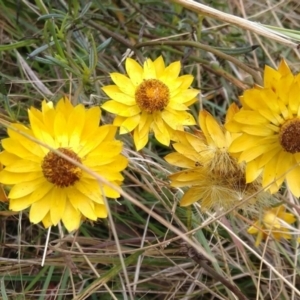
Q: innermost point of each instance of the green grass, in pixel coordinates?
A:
(53, 48)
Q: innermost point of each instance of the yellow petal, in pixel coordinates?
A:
(7, 177)
(37, 113)
(215, 132)
(140, 140)
(259, 238)
(90, 188)
(130, 124)
(259, 130)
(32, 147)
(75, 124)
(269, 172)
(64, 106)
(7, 158)
(283, 68)
(179, 160)
(233, 126)
(99, 136)
(115, 94)
(109, 191)
(292, 179)
(100, 210)
(19, 204)
(191, 196)
(252, 171)
(196, 142)
(23, 166)
(58, 198)
(255, 99)
(250, 117)
(272, 117)
(118, 120)
(243, 142)
(176, 119)
(124, 83)
(121, 109)
(105, 153)
(175, 105)
(190, 152)
(174, 86)
(185, 96)
(188, 177)
(71, 217)
(160, 131)
(141, 133)
(13, 147)
(202, 122)
(149, 69)
(171, 72)
(41, 133)
(159, 65)
(270, 75)
(253, 229)
(47, 220)
(284, 163)
(48, 120)
(134, 71)
(41, 191)
(91, 122)
(25, 188)
(82, 203)
(39, 209)
(255, 152)
(288, 218)
(145, 123)
(271, 221)
(186, 81)
(231, 112)
(60, 130)
(293, 97)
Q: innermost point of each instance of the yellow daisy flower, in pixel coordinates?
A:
(151, 98)
(274, 222)
(214, 176)
(51, 186)
(269, 124)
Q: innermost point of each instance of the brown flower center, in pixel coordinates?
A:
(289, 136)
(59, 171)
(152, 95)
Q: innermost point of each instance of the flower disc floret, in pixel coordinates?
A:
(152, 95)
(60, 171)
(289, 135)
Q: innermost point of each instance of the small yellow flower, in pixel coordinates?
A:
(51, 186)
(274, 222)
(151, 98)
(214, 176)
(269, 124)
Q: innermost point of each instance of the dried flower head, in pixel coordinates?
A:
(213, 174)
